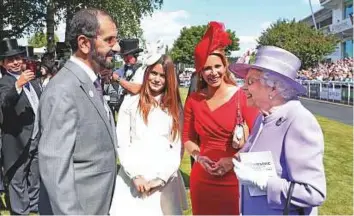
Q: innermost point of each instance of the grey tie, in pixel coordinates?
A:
(99, 89)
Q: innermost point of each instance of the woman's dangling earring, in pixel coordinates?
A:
(270, 97)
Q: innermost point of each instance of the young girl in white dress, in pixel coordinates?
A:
(149, 145)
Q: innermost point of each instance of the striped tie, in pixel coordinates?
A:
(98, 87)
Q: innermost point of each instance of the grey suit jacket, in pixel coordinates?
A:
(77, 148)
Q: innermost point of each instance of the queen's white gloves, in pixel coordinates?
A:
(247, 176)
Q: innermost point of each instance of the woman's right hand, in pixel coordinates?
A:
(206, 163)
(141, 184)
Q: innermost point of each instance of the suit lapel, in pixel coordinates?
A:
(90, 91)
(23, 95)
(35, 84)
(96, 101)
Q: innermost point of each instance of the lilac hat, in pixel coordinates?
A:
(274, 60)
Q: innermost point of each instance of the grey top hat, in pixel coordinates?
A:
(274, 60)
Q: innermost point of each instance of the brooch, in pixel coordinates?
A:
(280, 121)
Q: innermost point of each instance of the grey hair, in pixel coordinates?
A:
(284, 89)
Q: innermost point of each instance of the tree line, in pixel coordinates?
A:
(309, 44)
(25, 17)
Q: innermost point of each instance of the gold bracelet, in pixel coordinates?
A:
(195, 155)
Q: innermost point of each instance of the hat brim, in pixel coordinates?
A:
(30, 58)
(12, 53)
(133, 51)
(240, 70)
(152, 59)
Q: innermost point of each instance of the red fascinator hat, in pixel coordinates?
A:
(214, 38)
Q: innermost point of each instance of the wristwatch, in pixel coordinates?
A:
(163, 183)
(136, 177)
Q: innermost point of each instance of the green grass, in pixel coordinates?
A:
(185, 170)
(338, 162)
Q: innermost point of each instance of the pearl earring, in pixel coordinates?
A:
(270, 97)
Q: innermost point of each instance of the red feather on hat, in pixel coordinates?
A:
(214, 38)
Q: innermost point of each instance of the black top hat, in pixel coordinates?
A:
(28, 50)
(61, 48)
(9, 47)
(129, 46)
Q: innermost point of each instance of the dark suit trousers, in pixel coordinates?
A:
(44, 207)
(24, 184)
(2, 188)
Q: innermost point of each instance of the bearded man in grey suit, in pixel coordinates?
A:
(77, 149)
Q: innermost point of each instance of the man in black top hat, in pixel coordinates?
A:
(19, 99)
(128, 80)
(28, 51)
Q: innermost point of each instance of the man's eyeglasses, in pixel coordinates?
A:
(111, 41)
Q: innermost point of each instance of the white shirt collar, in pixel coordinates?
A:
(16, 75)
(86, 68)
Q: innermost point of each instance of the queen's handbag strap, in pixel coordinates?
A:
(288, 201)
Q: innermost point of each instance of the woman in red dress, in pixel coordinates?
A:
(209, 121)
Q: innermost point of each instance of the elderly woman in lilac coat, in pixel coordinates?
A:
(289, 131)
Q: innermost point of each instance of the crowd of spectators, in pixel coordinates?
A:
(341, 70)
(185, 76)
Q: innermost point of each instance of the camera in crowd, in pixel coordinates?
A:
(114, 100)
(34, 66)
(47, 64)
(31, 62)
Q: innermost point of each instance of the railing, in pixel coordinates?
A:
(341, 26)
(334, 91)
